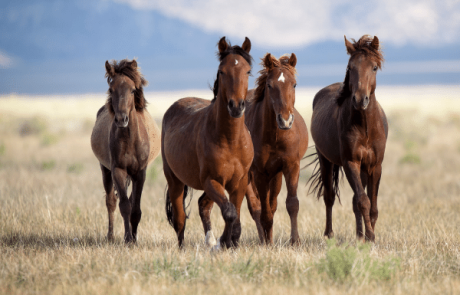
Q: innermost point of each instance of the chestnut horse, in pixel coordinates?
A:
(280, 138)
(350, 130)
(206, 145)
(125, 140)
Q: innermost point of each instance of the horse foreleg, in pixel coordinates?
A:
(352, 171)
(291, 174)
(372, 192)
(205, 205)
(119, 179)
(328, 192)
(266, 217)
(236, 198)
(136, 213)
(255, 209)
(176, 197)
(110, 199)
(357, 211)
(216, 193)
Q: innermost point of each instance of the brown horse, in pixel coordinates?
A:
(279, 144)
(350, 130)
(125, 140)
(205, 144)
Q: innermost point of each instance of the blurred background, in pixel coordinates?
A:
(60, 47)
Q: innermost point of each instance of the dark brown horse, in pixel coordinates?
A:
(350, 130)
(125, 140)
(280, 139)
(206, 145)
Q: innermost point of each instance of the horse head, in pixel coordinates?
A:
(232, 77)
(365, 59)
(278, 83)
(125, 90)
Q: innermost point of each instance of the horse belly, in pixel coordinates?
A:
(100, 138)
(154, 135)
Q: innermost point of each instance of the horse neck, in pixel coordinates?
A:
(225, 127)
(269, 125)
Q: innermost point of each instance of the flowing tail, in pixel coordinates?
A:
(169, 208)
(316, 182)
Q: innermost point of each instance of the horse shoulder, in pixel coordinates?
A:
(100, 136)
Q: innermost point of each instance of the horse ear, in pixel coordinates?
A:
(134, 64)
(268, 61)
(223, 45)
(109, 69)
(375, 43)
(350, 48)
(246, 45)
(293, 60)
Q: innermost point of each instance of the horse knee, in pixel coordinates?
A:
(125, 208)
(236, 232)
(374, 214)
(292, 205)
(229, 213)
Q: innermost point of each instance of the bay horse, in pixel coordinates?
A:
(205, 144)
(280, 138)
(125, 139)
(350, 130)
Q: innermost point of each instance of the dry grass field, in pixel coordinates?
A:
(53, 218)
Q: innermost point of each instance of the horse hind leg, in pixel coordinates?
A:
(327, 172)
(175, 210)
(110, 199)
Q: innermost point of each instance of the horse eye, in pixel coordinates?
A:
(269, 86)
(249, 73)
(295, 85)
(220, 72)
(110, 90)
(375, 69)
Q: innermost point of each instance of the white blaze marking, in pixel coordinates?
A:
(236, 62)
(281, 78)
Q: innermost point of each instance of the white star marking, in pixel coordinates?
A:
(281, 78)
(236, 62)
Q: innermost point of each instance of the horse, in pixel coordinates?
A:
(350, 129)
(205, 145)
(279, 144)
(125, 139)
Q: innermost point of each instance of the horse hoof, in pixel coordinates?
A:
(370, 237)
(329, 235)
(210, 239)
(217, 247)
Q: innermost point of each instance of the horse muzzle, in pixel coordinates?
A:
(285, 124)
(236, 110)
(121, 120)
(362, 104)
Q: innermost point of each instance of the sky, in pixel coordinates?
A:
(60, 47)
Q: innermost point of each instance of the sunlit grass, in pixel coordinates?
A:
(53, 223)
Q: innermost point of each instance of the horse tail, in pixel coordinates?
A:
(316, 181)
(169, 208)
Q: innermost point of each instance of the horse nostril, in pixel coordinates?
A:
(242, 104)
(231, 104)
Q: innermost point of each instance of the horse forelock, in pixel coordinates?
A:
(261, 82)
(125, 68)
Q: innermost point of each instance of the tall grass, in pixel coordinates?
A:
(53, 223)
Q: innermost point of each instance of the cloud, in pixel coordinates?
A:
(299, 23)
(5, 61)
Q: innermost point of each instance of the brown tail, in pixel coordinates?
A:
(168, 205)
(316, 182)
